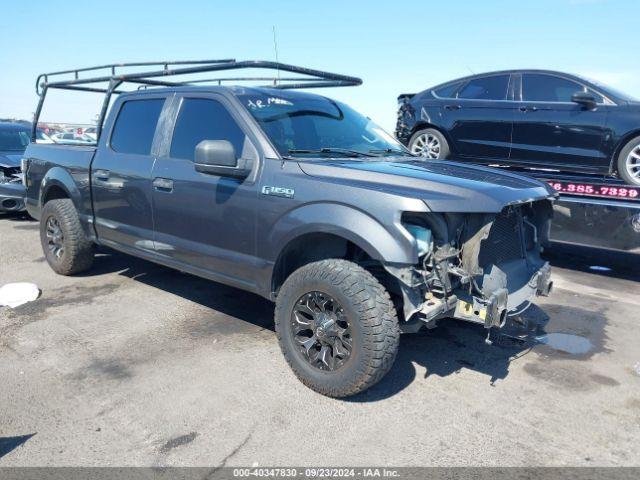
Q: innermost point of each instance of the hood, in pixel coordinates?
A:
(444, 186)
(10, 159)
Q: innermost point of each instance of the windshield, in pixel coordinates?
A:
(14, 140)
(305, 125)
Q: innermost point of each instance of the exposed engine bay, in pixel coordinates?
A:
(11, 188)
(477, 267)
(10, 174)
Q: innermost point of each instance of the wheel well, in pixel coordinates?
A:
(313, 247)
(423, 125)
(54, 193)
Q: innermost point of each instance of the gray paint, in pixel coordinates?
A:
(225, 229)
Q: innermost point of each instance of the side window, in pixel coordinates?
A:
(203, 119)
(136, 125)
(547, 88)
(486, 88)
(448, 90)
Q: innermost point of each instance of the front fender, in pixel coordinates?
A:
(395, 246)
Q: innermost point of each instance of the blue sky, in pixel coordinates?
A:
(396, 47)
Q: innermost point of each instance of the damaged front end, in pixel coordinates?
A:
(477, 267)
(12, 191)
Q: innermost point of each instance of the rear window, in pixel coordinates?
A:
(136, 125)
(486, 88)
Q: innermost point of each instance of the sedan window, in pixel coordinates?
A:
(448, 91)
(547, 88)
(486, 88)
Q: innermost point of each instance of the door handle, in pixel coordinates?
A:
(163, 185)
(528, 109)
(102, 175)
(452, 107)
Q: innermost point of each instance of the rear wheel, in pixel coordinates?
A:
(337, 327)
(65, 246)
(629, 162)
(429, 143)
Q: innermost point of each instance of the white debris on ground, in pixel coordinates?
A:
(15, 294)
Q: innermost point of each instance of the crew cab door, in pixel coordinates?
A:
(203, 220)
(479, 119)
(552, 131)
(121, 174)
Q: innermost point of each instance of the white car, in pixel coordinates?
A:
(72, 138)
(91, 132)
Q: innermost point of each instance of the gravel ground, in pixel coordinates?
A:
(136, 364)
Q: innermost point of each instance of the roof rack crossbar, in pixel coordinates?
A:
(317, 76)
(114, 66)
(310, 78)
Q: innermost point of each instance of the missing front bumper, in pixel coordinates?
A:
(490, 309)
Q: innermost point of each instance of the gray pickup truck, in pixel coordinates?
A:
(302, 200)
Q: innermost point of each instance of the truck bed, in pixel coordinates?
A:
(48, 165)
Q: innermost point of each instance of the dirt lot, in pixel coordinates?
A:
(136, 364)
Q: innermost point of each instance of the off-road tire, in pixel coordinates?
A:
(78, 251)
(372, 317)
(621, 163)
(444, 145)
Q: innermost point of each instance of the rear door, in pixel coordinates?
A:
(121, 175)
(206, 221)
(552, 131)
(479, 119)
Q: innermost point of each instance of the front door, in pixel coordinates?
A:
(121, 175)
(206, 221)
(552, 131)
(480, 119)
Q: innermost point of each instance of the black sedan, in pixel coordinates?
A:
(526, 118)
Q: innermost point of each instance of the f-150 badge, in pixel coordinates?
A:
(278, 191)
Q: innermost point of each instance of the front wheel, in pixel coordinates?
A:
(629, 162)
(337, 327)
(65, 246)
(429, 143)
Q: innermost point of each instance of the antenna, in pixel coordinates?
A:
(275, 47)
(472, 72)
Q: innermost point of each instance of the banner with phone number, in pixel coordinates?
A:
(623, 192)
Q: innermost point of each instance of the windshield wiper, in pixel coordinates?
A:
(342, 151)
(395, 152)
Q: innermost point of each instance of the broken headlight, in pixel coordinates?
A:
(423, 237)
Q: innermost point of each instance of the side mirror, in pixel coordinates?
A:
(585, 99)
(218, 157)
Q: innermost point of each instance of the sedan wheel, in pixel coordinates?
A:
(429, 143)
(426, 145)
(632, 164)
(629, 162)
